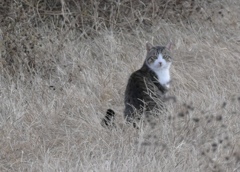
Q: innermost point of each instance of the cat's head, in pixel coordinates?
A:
(158, 57)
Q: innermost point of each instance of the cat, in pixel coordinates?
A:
(147, 84)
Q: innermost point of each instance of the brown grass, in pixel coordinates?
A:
(58, 78)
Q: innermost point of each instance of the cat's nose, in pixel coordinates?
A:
(160, 63)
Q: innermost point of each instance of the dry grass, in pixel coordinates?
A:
(57, 83)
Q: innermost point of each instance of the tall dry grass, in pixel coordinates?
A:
(58, 77)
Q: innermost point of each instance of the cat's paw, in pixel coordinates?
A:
(167, 86)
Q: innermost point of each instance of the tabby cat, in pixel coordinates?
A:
(147, 84)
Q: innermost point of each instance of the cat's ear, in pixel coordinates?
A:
(149, 46)
(169, 45)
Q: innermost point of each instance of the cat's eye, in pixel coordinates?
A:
(151, 59)
(167, 57)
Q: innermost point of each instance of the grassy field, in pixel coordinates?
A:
(57, 81)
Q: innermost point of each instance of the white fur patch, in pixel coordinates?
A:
(161, 68)
(163, 77)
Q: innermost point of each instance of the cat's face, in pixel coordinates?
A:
(158, 57)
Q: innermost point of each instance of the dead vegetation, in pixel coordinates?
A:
(64, 63)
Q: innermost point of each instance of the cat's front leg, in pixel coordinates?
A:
(162, 88)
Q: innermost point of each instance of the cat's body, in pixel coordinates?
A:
(149, 83)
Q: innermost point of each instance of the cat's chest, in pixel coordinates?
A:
(163, 77)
